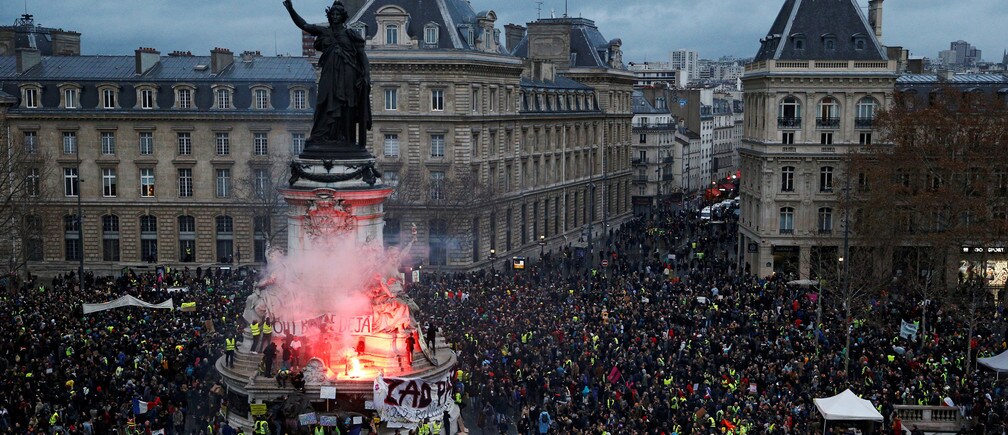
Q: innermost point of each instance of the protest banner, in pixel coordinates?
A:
(410, 401)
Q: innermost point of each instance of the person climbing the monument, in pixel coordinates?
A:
(430, 336)
(256, 333)
(410, 347)
(267, 332)
(269, 355)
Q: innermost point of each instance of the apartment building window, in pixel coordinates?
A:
(33, 238)
(493, 100)
(261, 144)
(187, 238)
(431, 34)
(70, 182)
(110, 237)
(146, 143)
(475, 240)
(223, 98)
(864, 138)
(829, 113)
(789, 113)
(146, 98)
(185, 182)
(825, 224)
(391, 145)
(787, 220)
(437, 145)
(390, 231)
(32, 182)
(437, 100)
(69, 142)
(391, 34)
(184, 97)
(71, 238)
(71, 98)
(787, 179)
(223, 141)
(148, 239)
(643, 138)
(475, 100)
(475, 142)
(391, 99)
(184, 143)
(108, 143)
(300, 99)
(437, 185)
(866, 109)
(524, 224)
(109, 98)
(826, 179)
(225, 239)
(438, 242)
(31, 98)
(261, 182)
(826, 138)
(262, 99)
(297, 143)
(31, 142)
(109, 182)
(147, 182)
(787, 138)
(223, 182)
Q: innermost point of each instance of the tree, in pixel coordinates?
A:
(22, 194)
(937, 187)
(259, 192)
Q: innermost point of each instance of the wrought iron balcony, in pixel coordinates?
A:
(789, 122)
(640, 179)
(827, 122)
(639, 161)
(787, 231)
(864, 122)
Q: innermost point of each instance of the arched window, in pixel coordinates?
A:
(828, 114)
(225, 239)
(866, 109)
(148, 239)
(110, 237)
(789, 113)
(187, 239)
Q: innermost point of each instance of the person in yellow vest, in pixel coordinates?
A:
(229, 351)
(256, 334)
(319, 430)
(423, 429)
(261, 428)
(436, 427)
(267, 333)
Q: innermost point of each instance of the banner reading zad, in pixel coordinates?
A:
(407, 402)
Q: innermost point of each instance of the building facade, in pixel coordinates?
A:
(656, 153)
(25, 34)
(171, 159)
(495, 152)
(811, 95)
(686, 60)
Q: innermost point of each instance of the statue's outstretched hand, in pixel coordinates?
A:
(288, 4)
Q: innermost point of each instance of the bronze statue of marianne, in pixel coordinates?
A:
(343, 107)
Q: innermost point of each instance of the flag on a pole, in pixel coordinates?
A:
(139, 406)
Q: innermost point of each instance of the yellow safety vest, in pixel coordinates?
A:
(261, 427)
(53, 419)
(319, 430)
(255, 329)
(436, 430)
(267, 329)
(229, 344)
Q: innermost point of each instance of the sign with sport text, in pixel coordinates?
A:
(407, 402)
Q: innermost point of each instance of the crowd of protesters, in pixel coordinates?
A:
(65, 372)
(672, 337)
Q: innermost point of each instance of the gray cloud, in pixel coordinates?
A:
(649, 28)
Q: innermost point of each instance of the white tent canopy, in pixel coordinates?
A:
(998, 363)
(847, 406)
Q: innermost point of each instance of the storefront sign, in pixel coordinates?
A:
(410, 401)
(981, 249)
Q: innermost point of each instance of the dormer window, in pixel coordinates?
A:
(829, 42)
(859, 42)
(431, 33)
(184, 96)
(360, 28)
(299, 98)
(391, 34)
(109, 95)
(70, 94)
(30, 97)
(261, 97)
(146, 97)
(222, 97)
(798, 41)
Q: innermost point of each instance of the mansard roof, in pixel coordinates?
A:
(588, 48)
(453, 17)
(814, 23)
(168, 69)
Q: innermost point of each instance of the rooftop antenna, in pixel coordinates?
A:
(538, 9)
(565, 8)
(274, 44)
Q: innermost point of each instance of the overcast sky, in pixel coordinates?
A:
(649, 28)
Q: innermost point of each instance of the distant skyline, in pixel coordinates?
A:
(649, 29)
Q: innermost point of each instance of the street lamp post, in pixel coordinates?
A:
(492, 258)
(80, 224)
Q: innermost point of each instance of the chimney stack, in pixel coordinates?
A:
(146, 58)
(27, 58)
(513, 34)
(875, 17)
(220, 58)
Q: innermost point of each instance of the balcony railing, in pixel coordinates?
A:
(827, 122)
(668, 160)
(640, 179)
(639, 161)
(825, 232)
(789, 122)
(787, 231)
(864, 122)
(666, 177)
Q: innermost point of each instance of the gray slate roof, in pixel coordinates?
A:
(955, 79)
(449, 15)
(170, 68)
(814, 20)
(641, 105)
(588, 47)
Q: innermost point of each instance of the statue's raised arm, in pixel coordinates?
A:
(300, 22)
